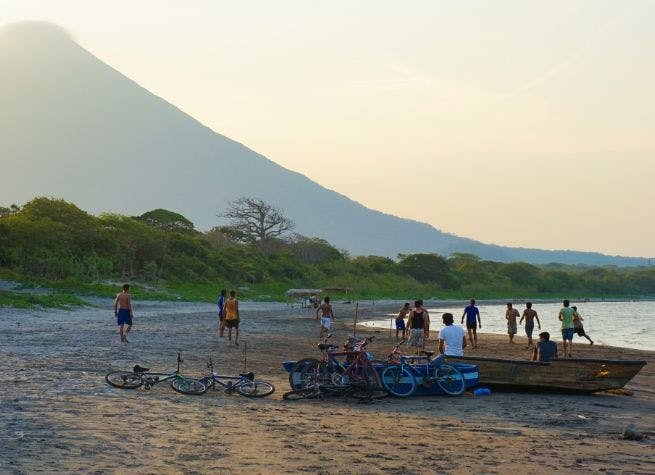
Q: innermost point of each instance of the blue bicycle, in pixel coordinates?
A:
(402, 375)
(244, 384)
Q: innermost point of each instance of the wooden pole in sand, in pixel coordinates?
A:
(356, 315)
(245, 355)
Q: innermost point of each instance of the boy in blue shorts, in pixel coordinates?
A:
(123, 312)
(472, 313)
(566, 317)
(400, 320)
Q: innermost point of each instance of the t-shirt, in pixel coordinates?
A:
(221, 302)
(547, 350)
(231, 309)
(471, 313)
(567, 317)
(452, 336)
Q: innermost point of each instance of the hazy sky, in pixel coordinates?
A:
(514, 122)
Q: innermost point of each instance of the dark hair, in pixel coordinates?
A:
(126, 287)
(326, 299)
(472, 301)
(509, 304)
(420, 302)
(233, 293)
(223, 291)
(417, 303)
(406, 305)
(545, 336)
(447, 318)
(574, 308)
(529, 304)
(566, 303)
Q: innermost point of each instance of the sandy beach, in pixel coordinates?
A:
(58, 414)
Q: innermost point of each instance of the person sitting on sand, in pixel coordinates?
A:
(566, 317)
(221, 312)
(416, 325)
(400, 320)
(471, 312)
(577, 325)
(511, 314)
(123, 312)
(545, 350)
(232, 317)
(452, 339)
(529, 316)
(327, 315)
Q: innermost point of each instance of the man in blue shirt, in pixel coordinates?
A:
(545, 350)
(221, 312)
(471, 313)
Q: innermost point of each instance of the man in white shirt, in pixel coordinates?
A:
(452, 339)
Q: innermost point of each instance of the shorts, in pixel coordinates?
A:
(567, 333)
(416, 336)
(232, 323)
(124, 317)
(325, 322)
(400, 324)
(529, 328)
(580, 331)
(511, 328)
(471, 325)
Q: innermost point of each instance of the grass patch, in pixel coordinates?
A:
(27, 300)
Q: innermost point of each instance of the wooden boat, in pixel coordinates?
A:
(570, 375)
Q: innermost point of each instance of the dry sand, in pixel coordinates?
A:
(58, 414)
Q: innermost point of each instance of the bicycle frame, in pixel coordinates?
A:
(228, 382)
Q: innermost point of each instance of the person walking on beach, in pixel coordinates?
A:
(400, 320)
(545, 350)
(327, 315)
(511, 314)
(416, 325)
(221, 312)
(123, 312)
(529, 315)
(577, 325)
(452, 339)
(232, 317)
(566, 317)
(426, 324)
(471, 312)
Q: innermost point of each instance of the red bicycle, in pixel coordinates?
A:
(328, 376)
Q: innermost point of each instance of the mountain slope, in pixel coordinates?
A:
(73, 127)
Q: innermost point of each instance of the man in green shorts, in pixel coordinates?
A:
(566, 317)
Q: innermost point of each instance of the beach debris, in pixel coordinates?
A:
(482, 392)
(631, 433)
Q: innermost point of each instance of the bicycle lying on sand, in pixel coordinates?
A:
(140, 376)
(402, 375)
(244, 384)
(328, 376)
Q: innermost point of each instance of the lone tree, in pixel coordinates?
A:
(258, 220)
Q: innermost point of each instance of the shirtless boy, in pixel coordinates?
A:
(400, 320)
(327, 316)
(511, 314)
(529, 316)
(123, 312)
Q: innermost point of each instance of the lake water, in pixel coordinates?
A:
(626, 324)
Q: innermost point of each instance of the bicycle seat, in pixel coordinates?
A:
(326, 346)
(139, 369)
(428, 353)
(249, 375)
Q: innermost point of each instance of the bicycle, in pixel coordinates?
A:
(329, 376)
(140, 376)
(401, 378)
(244, 384)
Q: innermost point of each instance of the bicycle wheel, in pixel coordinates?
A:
(300, 371)
(370, 387)
(316, 373)
(256, 389)
(188, 386)
(450, 380)
(398, 380)
(124, 379)
(304, 393)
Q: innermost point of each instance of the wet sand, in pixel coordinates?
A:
(57, 414)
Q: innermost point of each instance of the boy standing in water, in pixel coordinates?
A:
(327, 316)
(566, 317)
(529, 316)
(221, 312)
(232, 317)
(577, 325)
(123, 312)
(511, 315)
(471, 312)
(400, 320)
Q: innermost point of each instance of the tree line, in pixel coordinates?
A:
(55, 240)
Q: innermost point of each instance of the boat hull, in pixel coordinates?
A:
(570, 375)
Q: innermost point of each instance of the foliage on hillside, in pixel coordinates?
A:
(54, 240)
